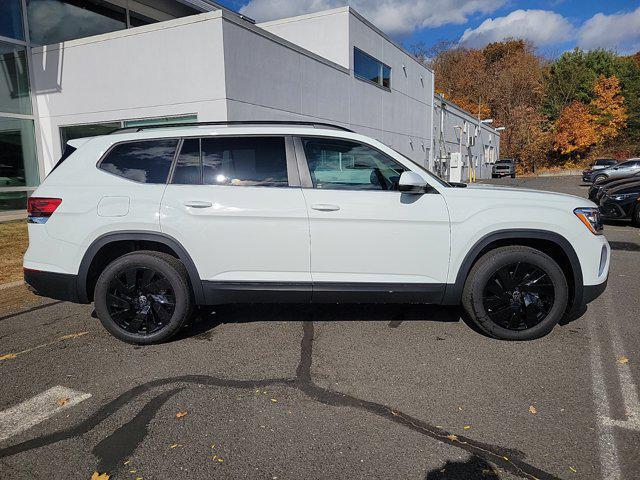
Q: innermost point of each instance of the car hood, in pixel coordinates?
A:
(624, 186)
(525, 195)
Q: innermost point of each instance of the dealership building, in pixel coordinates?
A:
(77, 68)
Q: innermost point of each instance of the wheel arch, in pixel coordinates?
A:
(552, 243)
(168, 243)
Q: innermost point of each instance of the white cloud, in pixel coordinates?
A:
(542, 27)
(620, 31)
(392, 16)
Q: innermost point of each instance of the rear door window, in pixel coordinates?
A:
(147, 161)
(234, 161)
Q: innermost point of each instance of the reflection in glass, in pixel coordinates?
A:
(53, 21)
(18, 162)
(147, 161)
(368, 68)
(12, 201)
(138, 20)
(14, 80)
(11, 19)
(188, 170)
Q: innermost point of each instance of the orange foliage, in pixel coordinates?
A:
(609, 108)
(575, 129)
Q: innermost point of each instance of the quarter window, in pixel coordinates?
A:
(145, 161)
(240, 161)
(365, 67)
(345, 165)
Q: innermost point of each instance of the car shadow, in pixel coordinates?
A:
(473, 469)
(207, 320)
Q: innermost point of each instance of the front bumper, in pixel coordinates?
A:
(616, 209)
(591, 292)
(59, 286)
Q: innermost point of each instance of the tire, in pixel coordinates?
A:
(636, 216)
(493, 175)
(599, 178)
(147, 306)
(481, 282)
(513, 175)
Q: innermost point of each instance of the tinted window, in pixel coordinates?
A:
(188, 169)
(344, 165)
(249, 161)
(14, 79)
(144, 162)
(629, 164)
(604, 162)
(53, 21)
(368, 68)
(11, 19)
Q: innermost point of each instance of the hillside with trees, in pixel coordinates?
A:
(558, 113)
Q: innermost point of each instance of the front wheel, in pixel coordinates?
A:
(599, 178)
(143, 297)
(636, 216)
(515, 293)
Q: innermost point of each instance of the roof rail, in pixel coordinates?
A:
(234, 122)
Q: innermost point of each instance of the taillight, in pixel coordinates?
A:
(40, 209)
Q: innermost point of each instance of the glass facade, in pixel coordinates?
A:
(18, 158)
(54, 21)
(11, 24)
(365, 67)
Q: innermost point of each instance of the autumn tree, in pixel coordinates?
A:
(609, 108)
(575, 129)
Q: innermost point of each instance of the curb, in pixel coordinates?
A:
(17, 283)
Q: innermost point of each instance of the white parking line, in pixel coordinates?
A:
(606, 441)
(37, 409)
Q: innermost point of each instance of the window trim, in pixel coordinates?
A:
(305, 173)
(114, 145)
(293, 171)
(382, 65)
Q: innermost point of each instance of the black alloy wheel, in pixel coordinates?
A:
(518, 296)
(141, 300)
(144, 297)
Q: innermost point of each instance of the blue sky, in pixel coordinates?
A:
(554, 25)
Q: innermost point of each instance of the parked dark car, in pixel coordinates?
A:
(624, 169)
(598, 164)
(504, 168)
(622, 202)
(598, 188)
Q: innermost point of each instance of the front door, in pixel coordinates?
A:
(236, 206)
(368, 240)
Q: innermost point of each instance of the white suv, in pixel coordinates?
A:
(150, 223)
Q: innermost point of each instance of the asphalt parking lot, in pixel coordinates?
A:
(281, 392)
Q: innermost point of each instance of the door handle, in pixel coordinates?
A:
(197, 204)
(325, 207)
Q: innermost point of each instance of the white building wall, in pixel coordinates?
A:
(481, 154)
(169, 68)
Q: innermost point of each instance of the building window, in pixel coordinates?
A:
(367, 68)
(14, 80)
(54, 21)
(18, 162)
(138, 20)
(94, 129)
(11, 19)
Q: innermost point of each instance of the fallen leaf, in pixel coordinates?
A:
(8, 356)
(132, 471)
(127, 462)
(506, 458)
(622, 360)
(220, 460)
(73, 335)
(533, 410)
(573, 469)
(467, 427)
(460, 408)
(174, 445)
(273, 400)
(180, 414)
(452, 437)
(63, 401)
(99, 476)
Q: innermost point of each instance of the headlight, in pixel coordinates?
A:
(590, 217)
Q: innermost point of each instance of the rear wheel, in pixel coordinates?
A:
(515, 293)
(599, 178)
(636, 216)
(143, 297)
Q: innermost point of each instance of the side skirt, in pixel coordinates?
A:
(326, 292)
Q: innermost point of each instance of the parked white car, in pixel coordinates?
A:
(150, 223)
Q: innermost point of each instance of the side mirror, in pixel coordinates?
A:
(411, 182)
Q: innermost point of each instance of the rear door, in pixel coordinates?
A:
(369, 241)
(236, 205)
